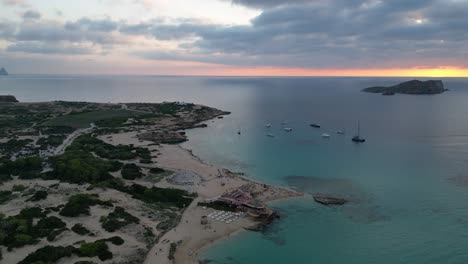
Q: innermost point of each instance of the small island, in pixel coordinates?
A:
(3, 72)
(410, 87)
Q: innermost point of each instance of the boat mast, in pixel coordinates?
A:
(359, 129)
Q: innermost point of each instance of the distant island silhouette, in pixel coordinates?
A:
(410, 87)
(3, 72)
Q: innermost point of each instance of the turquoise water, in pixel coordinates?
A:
(408, 183)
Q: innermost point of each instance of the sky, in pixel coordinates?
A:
(236, 37)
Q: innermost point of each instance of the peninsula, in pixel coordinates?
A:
(8, 99)
(410, 87)
(3, 72)
(105, 183)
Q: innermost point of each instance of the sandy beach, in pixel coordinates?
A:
(210, 182)
(193, 235)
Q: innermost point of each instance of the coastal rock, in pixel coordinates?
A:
(264, 222)
(410, 87)
(329, 200)
(3, 72)
(8, 99)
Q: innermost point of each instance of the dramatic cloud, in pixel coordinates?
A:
(286, 33)
(333, 33)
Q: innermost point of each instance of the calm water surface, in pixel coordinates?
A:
(408, 182)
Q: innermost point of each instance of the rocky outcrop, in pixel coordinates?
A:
(329, 200)
(8, 99)
(410, 87)
(3, 72)
(263, 221)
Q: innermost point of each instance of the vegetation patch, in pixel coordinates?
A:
(58, 130)
(5, 196)
(131, 172)
(219, 205)
(80, 166)
(109, 151)
(95, 249)
(117, 219)
(48, 254)
(14, 145)
(18, 230)
(80, 229)
(84, 119)
(37, 196)
(79, 204)
(173, 197)
(51, 141)
(18, 188)
(25, 168)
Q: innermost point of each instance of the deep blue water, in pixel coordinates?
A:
(408, 183)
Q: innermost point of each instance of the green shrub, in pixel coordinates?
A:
(131, 172)
(5, 196)
(48, 254)
(95, 249)
(79, 204)
(156, 170)
(117, 219)
(18, 188)
(116, 240)
(31, 212)
(79, 166)
(80, 229)
(37, 196)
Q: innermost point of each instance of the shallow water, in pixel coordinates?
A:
(407, 183)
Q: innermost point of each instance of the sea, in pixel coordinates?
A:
(407, 184)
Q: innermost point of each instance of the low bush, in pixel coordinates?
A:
(48, 254)
(37, 196)
(79, 204)
(131, 172)
(95, 249)
(117, 219)
(80, 229)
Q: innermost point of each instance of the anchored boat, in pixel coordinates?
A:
(358, 138)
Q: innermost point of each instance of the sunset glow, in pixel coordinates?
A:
(235, 37)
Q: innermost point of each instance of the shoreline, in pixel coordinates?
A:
(200, 238)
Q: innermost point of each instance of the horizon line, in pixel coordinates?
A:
(233, 76)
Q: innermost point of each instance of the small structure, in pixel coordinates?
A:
(241, 198)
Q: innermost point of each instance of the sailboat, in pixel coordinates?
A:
(358, 138)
